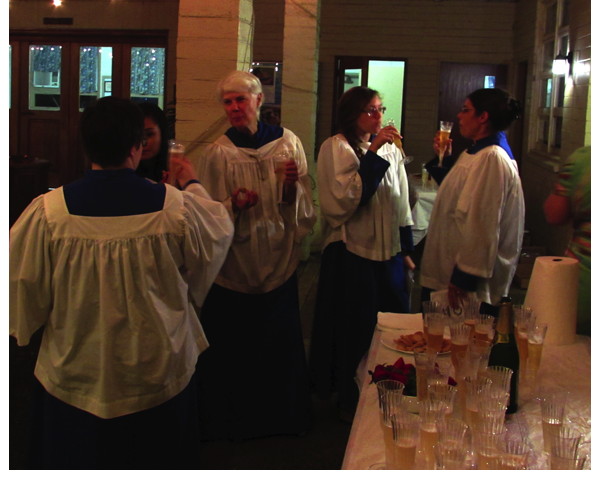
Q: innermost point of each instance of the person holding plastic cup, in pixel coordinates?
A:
(476, 228)
(251, 315)
(367, 240)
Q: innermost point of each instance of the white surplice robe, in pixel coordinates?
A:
(267, 242)
(370, 231)
(477, 224)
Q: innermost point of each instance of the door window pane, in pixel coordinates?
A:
(352, 78)
(551, 19)
(44, 77)
(148, 74)
(95, 74)
(388, 78)
(557, 142)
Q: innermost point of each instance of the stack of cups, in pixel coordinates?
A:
(405, 430)
(553, 406)
(484, 327)
(468, 366)
(390, 395)
(536, 334)
(436, 325)
(476, 388)
(424, 365)
(438, 389)
(453, 445)
(483, 348)
(500, 377)
(517, 454)
(470, 313)
(459, 336)
(523, 316)
(432, 414)
(564, 449)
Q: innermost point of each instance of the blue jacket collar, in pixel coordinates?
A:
(497, 139)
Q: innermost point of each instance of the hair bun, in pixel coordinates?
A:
(515, 108)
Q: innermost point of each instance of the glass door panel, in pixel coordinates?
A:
(44, 77)
(95, 74)
(148, 75)
(387, 77)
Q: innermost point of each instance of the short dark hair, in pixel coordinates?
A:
(109, 128)
(502, 109)
(350, 106)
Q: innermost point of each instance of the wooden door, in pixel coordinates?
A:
(457, 80)
(47, 99)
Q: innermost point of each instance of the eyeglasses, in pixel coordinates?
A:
(372, 110)
(466, 110)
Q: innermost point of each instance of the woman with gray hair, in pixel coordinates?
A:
(253, 378)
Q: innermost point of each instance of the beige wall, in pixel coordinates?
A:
(539, 172)
(423, 32)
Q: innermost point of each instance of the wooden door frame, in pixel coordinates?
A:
(70, 147)
(349, 62)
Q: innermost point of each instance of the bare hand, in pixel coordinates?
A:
(181, 171)
(243, 199)
(385, 136)
(291, 172)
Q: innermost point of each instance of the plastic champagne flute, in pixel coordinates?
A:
(444, 135)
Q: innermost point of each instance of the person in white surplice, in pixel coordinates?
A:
(476, 229)
(251, 315)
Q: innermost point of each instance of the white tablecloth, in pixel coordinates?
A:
(565, 367)
(421, 211)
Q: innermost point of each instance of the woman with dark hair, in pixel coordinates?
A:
(155, 155)
(476, 229)
(366, 220)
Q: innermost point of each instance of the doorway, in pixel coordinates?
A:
(384, 75)
(55, 75)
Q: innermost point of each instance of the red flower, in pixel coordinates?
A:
(400, 371)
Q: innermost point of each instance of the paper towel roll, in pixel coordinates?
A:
(552, 293)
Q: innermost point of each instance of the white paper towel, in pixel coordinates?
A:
(552, 293)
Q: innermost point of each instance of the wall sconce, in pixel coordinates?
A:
(562, 64)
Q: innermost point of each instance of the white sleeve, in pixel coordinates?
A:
(208, 238)
(211, 174)
(30, 272)
(340, 185)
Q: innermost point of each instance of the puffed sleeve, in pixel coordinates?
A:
(303, 216)
(208, 236)
(340, 185)
(211, 172)
(30, 272)
(479, 211)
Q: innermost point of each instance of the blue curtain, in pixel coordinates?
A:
(147, 70)
(88, 70)
(46, 57)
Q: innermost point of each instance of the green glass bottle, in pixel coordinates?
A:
(504, 350)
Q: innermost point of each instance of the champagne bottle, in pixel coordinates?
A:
(504, 351)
